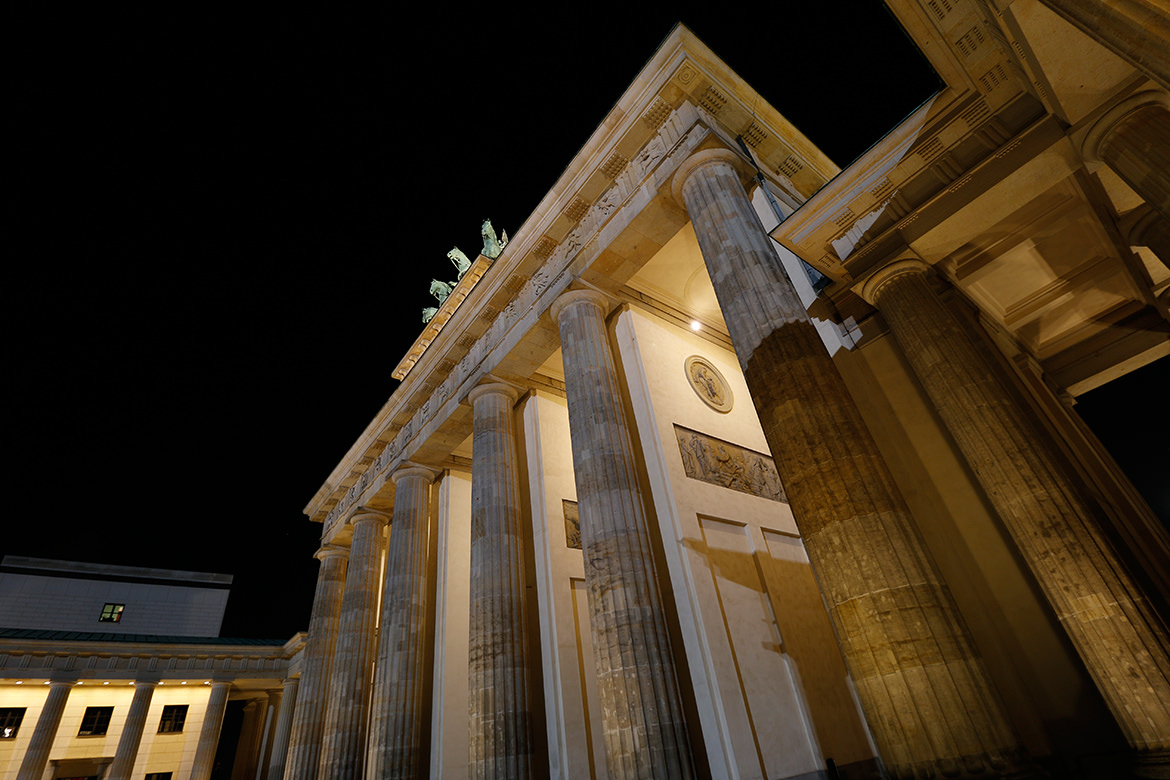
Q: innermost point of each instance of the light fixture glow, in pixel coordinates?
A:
(107, 682)
(20, 682)
(696, 325)
(183, 683)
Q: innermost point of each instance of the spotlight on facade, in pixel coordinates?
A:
(696, 325)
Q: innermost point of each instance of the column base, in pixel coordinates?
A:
(1150, 763)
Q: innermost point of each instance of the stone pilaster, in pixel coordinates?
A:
(498, 699)
(343, 746)
(397, 721)
(36, 758)
(1118, 636)
(209, 733)
(922, 684)
(304, 750)
(286, 703)
(644, 727)
(1133, 138)
(128, 743)
(1135, 30)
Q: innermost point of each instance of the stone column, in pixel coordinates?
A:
(36, 758)
(304, 749)
(498, 700)
(922, 683)
(644, 727)
(1116, 633)
(286, 702)
(128, 743)
(209, 734)
(397, 724)
(1135, 30)
(1133, 138)
(343, 748)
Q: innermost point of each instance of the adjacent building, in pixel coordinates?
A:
(119, 672)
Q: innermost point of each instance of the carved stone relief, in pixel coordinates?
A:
(572, 524)
(728, 465)
(708, 383)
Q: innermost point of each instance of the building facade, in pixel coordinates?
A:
(118, 672)
(734, 464)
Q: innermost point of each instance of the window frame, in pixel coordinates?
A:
(100, 718)
(111, 612)
(11, 717)
(173, 710)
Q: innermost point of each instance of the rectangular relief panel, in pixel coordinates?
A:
(728, 465)
(773, 699)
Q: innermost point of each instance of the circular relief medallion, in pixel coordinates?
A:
(708, 383)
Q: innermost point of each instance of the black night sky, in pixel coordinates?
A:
(224, 226)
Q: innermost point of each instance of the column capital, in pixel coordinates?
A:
(1091, 145)
(365, 514)
(1136, 223)
(331, 551)
(493, 387)
(413, 471)
(870, 288)
(577, 296)
(698, 160)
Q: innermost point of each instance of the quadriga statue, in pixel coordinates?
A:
(492, 246)
(461, 261)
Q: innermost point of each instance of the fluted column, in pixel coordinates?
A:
(36, 758)
(209, 734)
(132, 731)
(921, 681)
(1135, 30)
(304, 750)
(1133, 138)
(286, 702)
(498, 700)
(396, 723)
(1116, 633)
(343, 747)
(644, 728)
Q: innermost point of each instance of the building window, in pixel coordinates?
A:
(173, 718)
(159, 776)
(112, 613)
(95, 721)
(10, 718)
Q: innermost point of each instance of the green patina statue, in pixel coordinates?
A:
(461, 261)
(491, 245)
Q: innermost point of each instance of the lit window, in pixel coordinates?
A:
(10, 718)
(173, 718)
(95, 721)
(112, 613)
